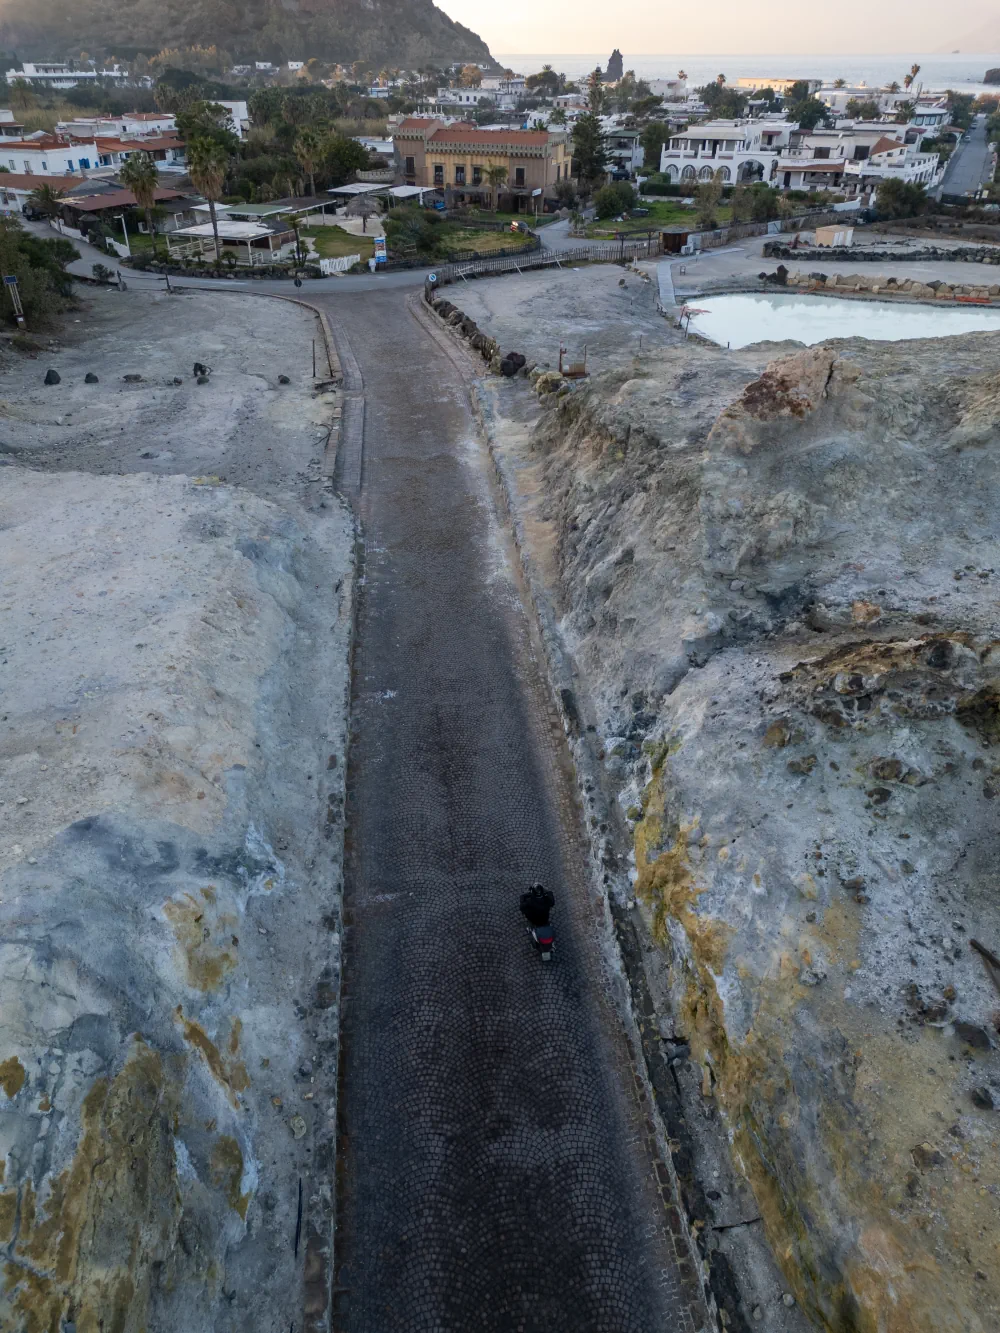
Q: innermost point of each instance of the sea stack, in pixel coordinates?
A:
(991, 76)
(616, 67)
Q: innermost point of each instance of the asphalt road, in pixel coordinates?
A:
(496, 1171)
(969, 166)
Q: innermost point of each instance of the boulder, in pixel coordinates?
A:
(90, 378)
(52, 377)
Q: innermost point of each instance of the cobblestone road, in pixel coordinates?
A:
(495, 1171)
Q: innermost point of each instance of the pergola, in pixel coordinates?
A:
(232, 234)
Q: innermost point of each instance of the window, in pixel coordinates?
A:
(27, 168)
(439, 173)
(519, 176)
(45, 166)
(860, 152)
(558, 171)
(411, 167)
(84, 163)
(477, 175)
(821, 153)
(13, 166)
(460, 175)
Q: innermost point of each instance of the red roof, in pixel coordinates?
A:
(148, 141)
(12, 180)
(97, 203)
(504, 138)
(885, 145)
(416, 122)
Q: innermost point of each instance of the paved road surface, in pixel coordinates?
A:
(969, 165)
(494, 1173)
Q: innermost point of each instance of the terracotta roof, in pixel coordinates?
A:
(147, 115)
(505, 138)
(885, 145)
(109, 145)
(414, 124)
(97, 203)
(13, 180)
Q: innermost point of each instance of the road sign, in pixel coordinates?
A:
(10, 279)
(432, 277)
(380, 252)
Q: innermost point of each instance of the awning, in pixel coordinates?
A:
(359, 187)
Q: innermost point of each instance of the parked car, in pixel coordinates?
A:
(32, 213)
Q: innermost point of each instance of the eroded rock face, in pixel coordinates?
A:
(780, 582)
(159, 941)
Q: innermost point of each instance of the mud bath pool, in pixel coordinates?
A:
(742, 319)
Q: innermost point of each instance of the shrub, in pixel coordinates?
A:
(614, 199)
(102, 273)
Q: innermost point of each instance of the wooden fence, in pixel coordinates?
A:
(612, 252)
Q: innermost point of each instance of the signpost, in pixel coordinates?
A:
(10, 282)
(380, 252)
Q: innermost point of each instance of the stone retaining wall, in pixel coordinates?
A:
(880, 285)
(978, 254)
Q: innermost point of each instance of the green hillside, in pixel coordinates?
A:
(407, 33)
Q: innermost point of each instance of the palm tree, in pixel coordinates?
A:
(558, 117)
(47, 200)
(207, 163)
(496, 176)
(720, 79)
(908, 80)
(682, 75)
(139, 175)
(840, 83)
(892, 87)
(308, 151)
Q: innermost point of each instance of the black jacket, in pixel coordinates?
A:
(537, 906)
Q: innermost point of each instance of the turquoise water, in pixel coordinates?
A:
(746, 318)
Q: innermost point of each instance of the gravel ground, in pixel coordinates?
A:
(538, 312)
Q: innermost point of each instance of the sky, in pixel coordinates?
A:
(729, 26)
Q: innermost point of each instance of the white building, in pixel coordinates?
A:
(57, 74)
(239, 115)
(671, 90)
(892, 160)
(48, 155)
(512, 84)
(295, 65)
(463, 96)
(742, 150)
(822, 159)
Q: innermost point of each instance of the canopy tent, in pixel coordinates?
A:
(233, 233)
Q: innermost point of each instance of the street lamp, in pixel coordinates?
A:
(128, 248)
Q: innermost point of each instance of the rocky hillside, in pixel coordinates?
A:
(780, 586)
(395, 32)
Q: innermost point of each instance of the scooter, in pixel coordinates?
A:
(544, 940)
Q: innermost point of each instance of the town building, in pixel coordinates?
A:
(511, 85)
(239, 115)
(9, 127)
(823, 159)
(16, 189)
(57, 74)
(458, 158)
(623, 148)
(780, 86)
(741, 150)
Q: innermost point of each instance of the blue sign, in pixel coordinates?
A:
(380, 252)
(11, 280)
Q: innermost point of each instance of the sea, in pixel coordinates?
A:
(960, 72)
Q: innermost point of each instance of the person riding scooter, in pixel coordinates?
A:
(536, 904)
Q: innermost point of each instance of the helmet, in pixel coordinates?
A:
(537, 889)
